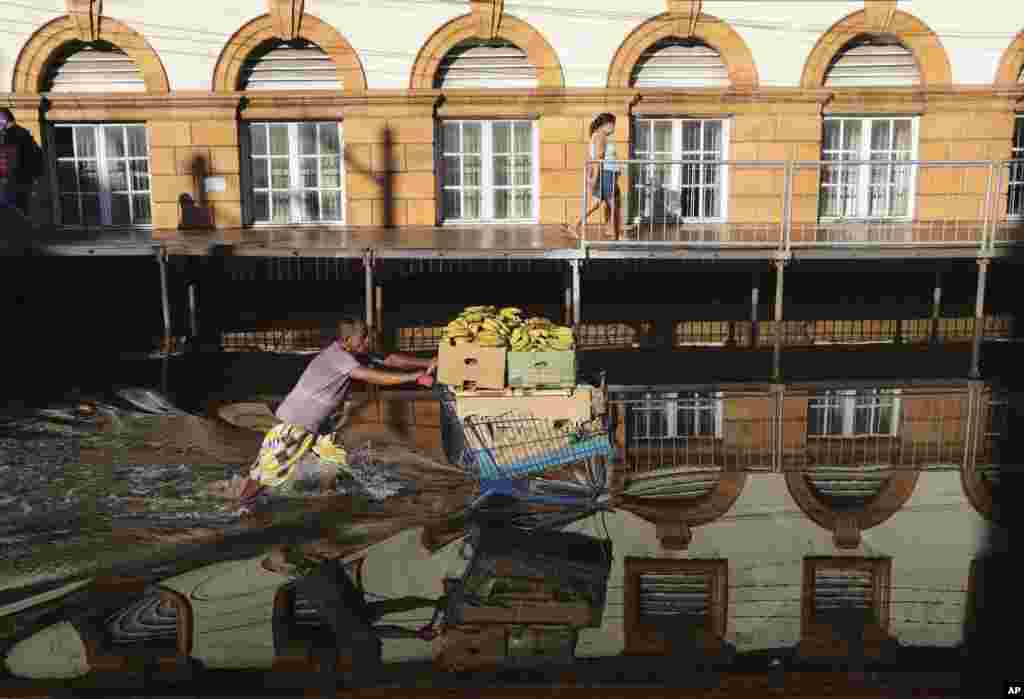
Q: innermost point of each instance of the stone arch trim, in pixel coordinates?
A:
(229, 64)
(39, 50)
(978, 494)
(922, 42)
(1011, 64)
(847, 526)
(541, 54)
(714, 32)
(684, 513)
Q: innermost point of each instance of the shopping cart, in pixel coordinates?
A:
(509, 455)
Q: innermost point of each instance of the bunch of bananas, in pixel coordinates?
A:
(489, 327)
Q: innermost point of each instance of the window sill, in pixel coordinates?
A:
(837, 437)
(305, 224)
(489, 222)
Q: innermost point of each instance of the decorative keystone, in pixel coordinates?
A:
(878, 15)
(687, 12)
(85, 15)
(847, 532)
(286, 17)
(674, 536)
(487, 14)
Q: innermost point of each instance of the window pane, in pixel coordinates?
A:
(136, 141)
(852, 135)
(451, 140)
(662, 136)
(260, 206)
(330, 172)
(642, 136)
(452, 171)
(831, 133)
(307, 139)
(260, 173)
(69, 211)
(85, 142)
(88, 176)
(311, 206)
(522, 171)
(64, 141)
(258, 136)
(140, 206)
(710, 203)
(91, 210)
(114, 137)
(881, 135)
(713, 138)
(691, 136)
(502, 170)
(282, 207)
(330, 139)
(471, 201)
(502, 203)
(117, 170)
(471, 137)
(502, 137)
(471, 171)
(279, 139)
(279, 173)
(140, 175)
(331, 206)
(66, 179)
(523, 201)
(120, 209)
(901, 135)
(452, 203)
(524, 137)
(307, 173)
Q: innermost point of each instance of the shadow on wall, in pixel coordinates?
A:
(196, 214)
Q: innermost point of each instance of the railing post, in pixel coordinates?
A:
(787, 206)
(936, 306)
(368, 276)
(987, 224)
(583, 208)
(165, 302)
(576, 315)
(780, 266)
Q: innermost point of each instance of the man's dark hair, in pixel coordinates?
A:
(4, 111)
(600, 120)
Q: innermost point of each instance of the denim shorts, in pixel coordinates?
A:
(604, 186)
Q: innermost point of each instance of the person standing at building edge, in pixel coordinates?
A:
(21, 162)
(306, 412)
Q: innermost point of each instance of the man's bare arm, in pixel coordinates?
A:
(407, 361)
(385, 378)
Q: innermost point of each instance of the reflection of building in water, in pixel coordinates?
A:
(832, 520)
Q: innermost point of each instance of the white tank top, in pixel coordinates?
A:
(609, 154)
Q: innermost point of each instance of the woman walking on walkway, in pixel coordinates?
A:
(603, 177)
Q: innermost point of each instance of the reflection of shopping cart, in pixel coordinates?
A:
(510, 455)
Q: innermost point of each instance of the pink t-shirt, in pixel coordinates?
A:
(323, 386)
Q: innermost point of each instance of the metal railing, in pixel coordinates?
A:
(808, 204)
(679, 442)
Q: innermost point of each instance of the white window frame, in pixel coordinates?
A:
(103, 173)
(294, 171)
(677, 154)
(863, 199)
(487, 186)
(669, 405)
(1015, 186)
(850, 401)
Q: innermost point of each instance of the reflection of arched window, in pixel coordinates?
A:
(95, 67)
(486, 64)
(289, 65)
(873, 61)
(675, 62)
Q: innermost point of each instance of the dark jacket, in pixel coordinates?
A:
(29, 159)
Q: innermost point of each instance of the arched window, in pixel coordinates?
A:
(873, 61)
(289, 65)
(681, 63)
(486, 64)
(92, 67)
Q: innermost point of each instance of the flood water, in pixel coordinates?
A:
(762, 535)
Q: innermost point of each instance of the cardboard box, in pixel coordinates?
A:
(471, 366)
(528, 369)
(561, 405)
